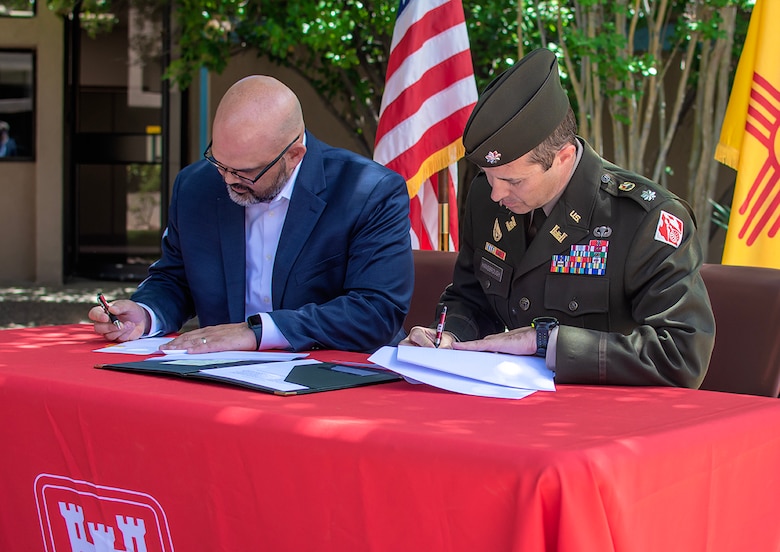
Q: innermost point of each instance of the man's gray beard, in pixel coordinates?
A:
(252, 198)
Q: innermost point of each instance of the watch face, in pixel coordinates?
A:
(544, 322)
(254, 320)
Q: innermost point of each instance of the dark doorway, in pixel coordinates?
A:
(116, 153)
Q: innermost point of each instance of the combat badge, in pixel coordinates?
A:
(497, 235)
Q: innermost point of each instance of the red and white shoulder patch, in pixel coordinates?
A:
(669, 229)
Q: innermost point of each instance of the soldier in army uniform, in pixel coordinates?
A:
(567, 256)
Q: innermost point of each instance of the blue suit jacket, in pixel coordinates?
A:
(343, 273)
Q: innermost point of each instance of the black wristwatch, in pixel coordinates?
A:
(255, 324)
(543, 326)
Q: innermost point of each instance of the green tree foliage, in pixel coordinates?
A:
(637, 71)
(340, 47)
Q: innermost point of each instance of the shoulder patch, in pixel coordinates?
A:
(669, 229)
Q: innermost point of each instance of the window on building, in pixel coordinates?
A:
(17, 8)
(17, 113)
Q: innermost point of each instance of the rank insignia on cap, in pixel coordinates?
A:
(669, 230)
(493, 157)
(516, 111)
(626, 186)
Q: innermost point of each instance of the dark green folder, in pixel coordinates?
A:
(323, 376)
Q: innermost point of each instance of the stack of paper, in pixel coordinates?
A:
(151, 346)
(470, 372)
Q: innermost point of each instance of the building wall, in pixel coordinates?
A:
(31, 209)
(322, 123)
(32, 199)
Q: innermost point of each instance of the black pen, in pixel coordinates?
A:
(103, 303)
(440, 327)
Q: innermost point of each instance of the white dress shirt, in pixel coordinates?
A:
(263, 224)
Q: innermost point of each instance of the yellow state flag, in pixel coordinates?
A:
(750, 143)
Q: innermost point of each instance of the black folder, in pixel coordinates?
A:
(311, 377)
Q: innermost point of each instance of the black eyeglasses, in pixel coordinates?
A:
(227, 170)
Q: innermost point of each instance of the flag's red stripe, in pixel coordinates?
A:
(434, 22)
(761, 99)
(453, 212)
(767, 192)
(433, 81)
(415, 216)
(770, 210)
(433, 139)
(436, 77)
(759, 133)
(753, 189)
(766, 85)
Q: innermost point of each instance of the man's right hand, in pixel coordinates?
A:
(134, 318)
(420, 336)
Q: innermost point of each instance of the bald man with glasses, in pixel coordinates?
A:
(275, 240)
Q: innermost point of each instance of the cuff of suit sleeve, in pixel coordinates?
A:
(552, 343)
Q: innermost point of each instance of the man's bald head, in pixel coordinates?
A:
(257, 110)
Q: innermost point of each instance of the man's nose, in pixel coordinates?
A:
(498, 190)
(230, 178)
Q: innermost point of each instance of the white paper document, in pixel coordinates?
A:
(470, 372)
(260, 356)
(151, 346)
(145, 346)
(270, 374)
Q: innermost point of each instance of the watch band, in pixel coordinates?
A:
(543, 326)
(255, 323)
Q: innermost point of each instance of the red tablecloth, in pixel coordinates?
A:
(204, 467)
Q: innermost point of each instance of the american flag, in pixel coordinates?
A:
(429, 94)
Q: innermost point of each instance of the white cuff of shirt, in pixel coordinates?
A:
(154, 329)
(272, 336)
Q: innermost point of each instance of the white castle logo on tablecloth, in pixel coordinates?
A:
(82, 516)
(133, 532)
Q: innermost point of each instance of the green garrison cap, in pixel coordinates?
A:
(517, 111)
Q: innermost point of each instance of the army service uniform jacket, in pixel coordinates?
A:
(616, 262)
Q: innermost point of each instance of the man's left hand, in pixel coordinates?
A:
(521, 341)
(225, 337)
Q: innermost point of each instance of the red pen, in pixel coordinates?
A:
(103, 303)
(440, 327)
